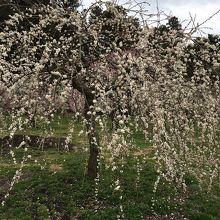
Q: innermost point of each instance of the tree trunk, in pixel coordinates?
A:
(93, 165)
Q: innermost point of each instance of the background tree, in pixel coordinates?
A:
(204, 51)
(8, 8)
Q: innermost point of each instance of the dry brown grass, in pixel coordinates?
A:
(56, 167)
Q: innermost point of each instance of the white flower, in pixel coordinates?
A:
(117, 188)
(121, 122)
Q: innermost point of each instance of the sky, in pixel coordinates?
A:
(182, 9)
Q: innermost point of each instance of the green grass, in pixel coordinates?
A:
(53, 185)
(61, 190)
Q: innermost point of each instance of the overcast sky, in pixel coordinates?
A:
(202, 9)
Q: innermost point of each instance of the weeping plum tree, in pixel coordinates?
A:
(137, 72)
(64, 51)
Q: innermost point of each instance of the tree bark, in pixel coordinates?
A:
(93, 137)
(93, 164)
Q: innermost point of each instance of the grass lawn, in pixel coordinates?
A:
(53, 185)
